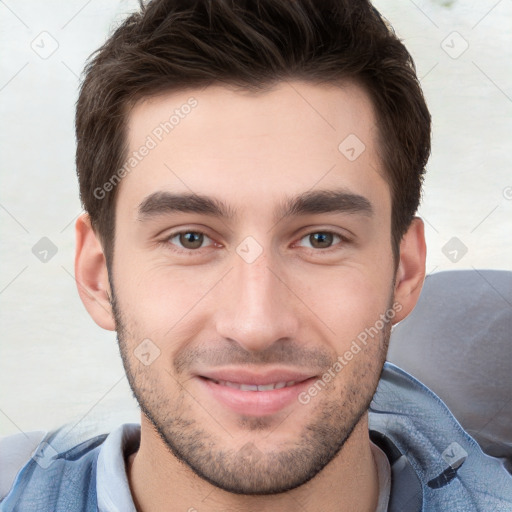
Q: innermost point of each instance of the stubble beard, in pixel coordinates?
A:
(249, 470)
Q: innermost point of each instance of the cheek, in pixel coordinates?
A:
(348, 300)
(159, 302)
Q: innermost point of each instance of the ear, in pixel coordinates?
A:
(411, 269)
(91, 274)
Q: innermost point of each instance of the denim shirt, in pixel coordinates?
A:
(435, 465)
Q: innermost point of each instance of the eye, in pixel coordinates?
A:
(320, 240)
(189, 239)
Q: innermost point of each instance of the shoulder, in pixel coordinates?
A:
(35, 461)
(447, 462)
(38, 467)
(15, 451)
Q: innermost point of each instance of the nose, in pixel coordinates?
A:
(258, 307)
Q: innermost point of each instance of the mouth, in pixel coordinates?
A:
(252, 394)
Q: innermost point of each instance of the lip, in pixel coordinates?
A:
(254, 403)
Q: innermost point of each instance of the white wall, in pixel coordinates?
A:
(56, 365)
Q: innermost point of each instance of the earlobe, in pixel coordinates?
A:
(411, 269)
(91, 274)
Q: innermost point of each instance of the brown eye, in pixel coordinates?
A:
(189, 239)
(319, 240)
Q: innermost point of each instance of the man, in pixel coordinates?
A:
(250, 173)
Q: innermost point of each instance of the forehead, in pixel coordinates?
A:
(243, 144)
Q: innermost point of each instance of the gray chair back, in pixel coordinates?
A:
(458, 342)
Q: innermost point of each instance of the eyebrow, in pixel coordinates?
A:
(311, 202)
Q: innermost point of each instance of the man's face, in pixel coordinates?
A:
(270, 292)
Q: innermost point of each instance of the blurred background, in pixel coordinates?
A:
(56, 365)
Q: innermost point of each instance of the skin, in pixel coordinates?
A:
(298, 305)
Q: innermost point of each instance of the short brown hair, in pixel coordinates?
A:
(177, 44)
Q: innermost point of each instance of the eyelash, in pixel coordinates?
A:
(167, 241)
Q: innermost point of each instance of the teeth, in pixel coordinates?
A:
(266, 387)
(254, 387)
(248, 387)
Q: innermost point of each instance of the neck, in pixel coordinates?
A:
(159, 481)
